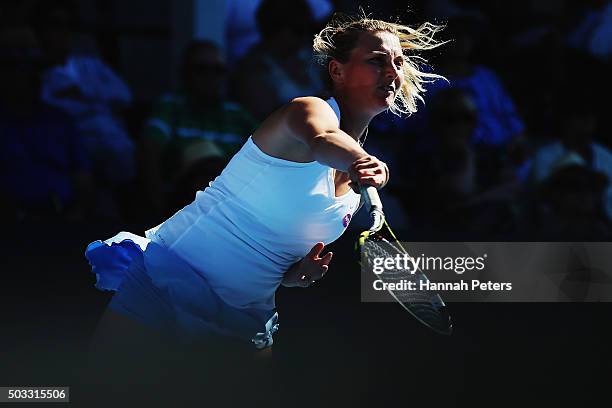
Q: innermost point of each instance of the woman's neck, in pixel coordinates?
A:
(352, 120)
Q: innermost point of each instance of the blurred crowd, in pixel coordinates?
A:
(516, 145)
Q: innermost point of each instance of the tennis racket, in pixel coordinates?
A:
(425, 305)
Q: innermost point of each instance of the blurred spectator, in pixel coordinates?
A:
(241, 27)
(570, 204)
(594, 31)
(445, 9)
(199, 112)
(538, 20)
(85, 88)
(200, 163)
(576, 128)
(498, 135)
(442, 177)
(445, 164)
(541, 41)
(279, 68)
(44, 171)
(498, 122)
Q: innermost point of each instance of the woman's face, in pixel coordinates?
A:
(373, 75)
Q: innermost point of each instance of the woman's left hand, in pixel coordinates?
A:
(310, 269)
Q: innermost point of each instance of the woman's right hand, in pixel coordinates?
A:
(368, 170)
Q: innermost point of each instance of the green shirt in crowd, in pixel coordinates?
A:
(176, 125)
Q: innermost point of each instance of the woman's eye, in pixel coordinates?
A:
(377, 61)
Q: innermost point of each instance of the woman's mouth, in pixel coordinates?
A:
(387, 89)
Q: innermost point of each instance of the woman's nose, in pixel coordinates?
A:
(391, 72)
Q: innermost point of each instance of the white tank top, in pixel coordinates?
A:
(256, 219)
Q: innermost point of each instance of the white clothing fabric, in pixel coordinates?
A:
(261, 215)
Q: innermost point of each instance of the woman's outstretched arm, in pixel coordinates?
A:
(312, 122)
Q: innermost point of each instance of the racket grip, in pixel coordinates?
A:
(371, 198)
(374, 206)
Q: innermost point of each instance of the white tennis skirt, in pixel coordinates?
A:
(158, 289)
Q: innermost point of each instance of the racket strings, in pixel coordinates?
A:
(426, 305)
(382, 249)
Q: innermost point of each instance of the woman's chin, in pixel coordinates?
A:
(381, 103)
(385, 103)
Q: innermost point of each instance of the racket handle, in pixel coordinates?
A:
(371, 198)
(374, 206)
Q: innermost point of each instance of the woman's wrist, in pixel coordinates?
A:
(386, 174)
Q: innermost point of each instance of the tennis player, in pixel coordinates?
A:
(213, 267)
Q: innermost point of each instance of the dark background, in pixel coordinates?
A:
(331, 348)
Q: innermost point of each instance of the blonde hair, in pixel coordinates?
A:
(338, 39)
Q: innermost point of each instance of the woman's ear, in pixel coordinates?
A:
(336, 71)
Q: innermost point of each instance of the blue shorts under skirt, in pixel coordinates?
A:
(158, 289)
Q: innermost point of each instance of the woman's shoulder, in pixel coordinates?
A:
(306, 101)
(305, 107)
(286, 132)
(299, 112)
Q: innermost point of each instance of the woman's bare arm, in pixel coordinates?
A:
(307, 129)
(313, 122)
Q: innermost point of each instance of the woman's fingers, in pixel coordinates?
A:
(326, 259)
(319, 275)
(315, 251)
(368, 170)
(367, 165)
(363, 159)
(315, 268)
(324, 270)
(363, 173)
(372, 180)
